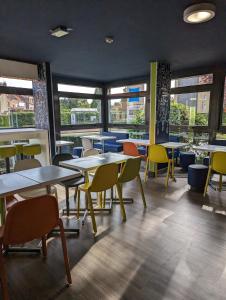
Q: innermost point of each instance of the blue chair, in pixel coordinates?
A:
(197, 175)
(186, 159)
(112, 145)
(77, 151)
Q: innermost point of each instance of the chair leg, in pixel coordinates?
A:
(56, 194)
(220, 182)
(168, 174)
(75, 194)
(67, 200)
(3, 278)
(90, 203)
(146, 171)
(104, 200)
(78, 204)
(44, 248)
(156, 170)
(141, 190)
(123, 212)
(207, 182)
(64, 247)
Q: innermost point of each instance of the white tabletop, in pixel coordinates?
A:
(174, 145)
(98, 137)
(63, 143)
(13, 183)
(92, 162)
(140, 142)
(210, 148)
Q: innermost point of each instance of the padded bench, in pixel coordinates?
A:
(112, 145)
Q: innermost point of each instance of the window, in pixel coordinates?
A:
(192, 80)
(136, 88)
(75, 135)
(18, 83)
(127, 110)
(79, 89)
(16, 111)
(189, 109)
(224, 106)
(75, 111)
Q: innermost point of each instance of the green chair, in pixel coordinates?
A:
(31, 150)
(130, 171)
(19, 149)
(7, 151)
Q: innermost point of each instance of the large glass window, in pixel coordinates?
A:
(136, 88)
(75, 135)
(127, 110)
(79, 89)
(192, 80)
(75, 111)
(17, 83)
(16, 111)
(190, 109)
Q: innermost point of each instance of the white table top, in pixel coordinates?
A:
(33, 178)
(174, 145)
(140, 142)
(92, 162)
(63, 143)
(98, 137)
(210, 148)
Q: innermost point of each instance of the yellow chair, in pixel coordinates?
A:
(157, 154)
(32, 150)
(7, 151)
(105, 178)
(217, 164)
(19, 148)
(130, 171)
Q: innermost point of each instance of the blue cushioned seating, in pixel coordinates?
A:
(197, 177)
(186, 159)
(112, 145)
(206, 161)
(77, 151)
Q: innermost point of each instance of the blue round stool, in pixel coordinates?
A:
(186, 159)
(197, 175)
(77, 151)
(206, 161)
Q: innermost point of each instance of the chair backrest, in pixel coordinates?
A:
(130, 170)
(105, 177)
(90, 152)
(130, 148)
(218, 162)
(61, 157)
(87, 144)
(26, 164)
(30, 219)
(158, 154)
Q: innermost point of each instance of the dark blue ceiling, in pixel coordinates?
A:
(144, 30)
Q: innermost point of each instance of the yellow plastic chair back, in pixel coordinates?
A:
(105, 178)
(158, 154)
(32, 149)
(7, 151)
(218, 162)
(130, 170)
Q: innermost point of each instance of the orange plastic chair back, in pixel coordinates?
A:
(30, 219)
(158, 154)
(218, 162)
(130, 148)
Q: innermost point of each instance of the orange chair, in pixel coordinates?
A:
(28, 220)
(130, 148)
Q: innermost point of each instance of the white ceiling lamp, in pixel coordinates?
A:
(199, 13)
(60, 31)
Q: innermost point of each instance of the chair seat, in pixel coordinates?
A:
(37, 192)
(73, 182)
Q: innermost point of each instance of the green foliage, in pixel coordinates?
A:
(139, 117)
(179, 114)
(201, 119)
(18, 119)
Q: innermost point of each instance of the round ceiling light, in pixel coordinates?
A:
(199, 13)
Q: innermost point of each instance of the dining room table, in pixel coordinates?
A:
(13, 183)
(90, 163)
(61, 143)
(99, 137)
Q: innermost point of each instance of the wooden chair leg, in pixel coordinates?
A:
(220, 182)
(123, 212)
(146, 171)
(44, 248)
(78, 204)
(90, 203)
(3, 278)
(207, 182)
(67, 200)
(141, 190)
(64, 247)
